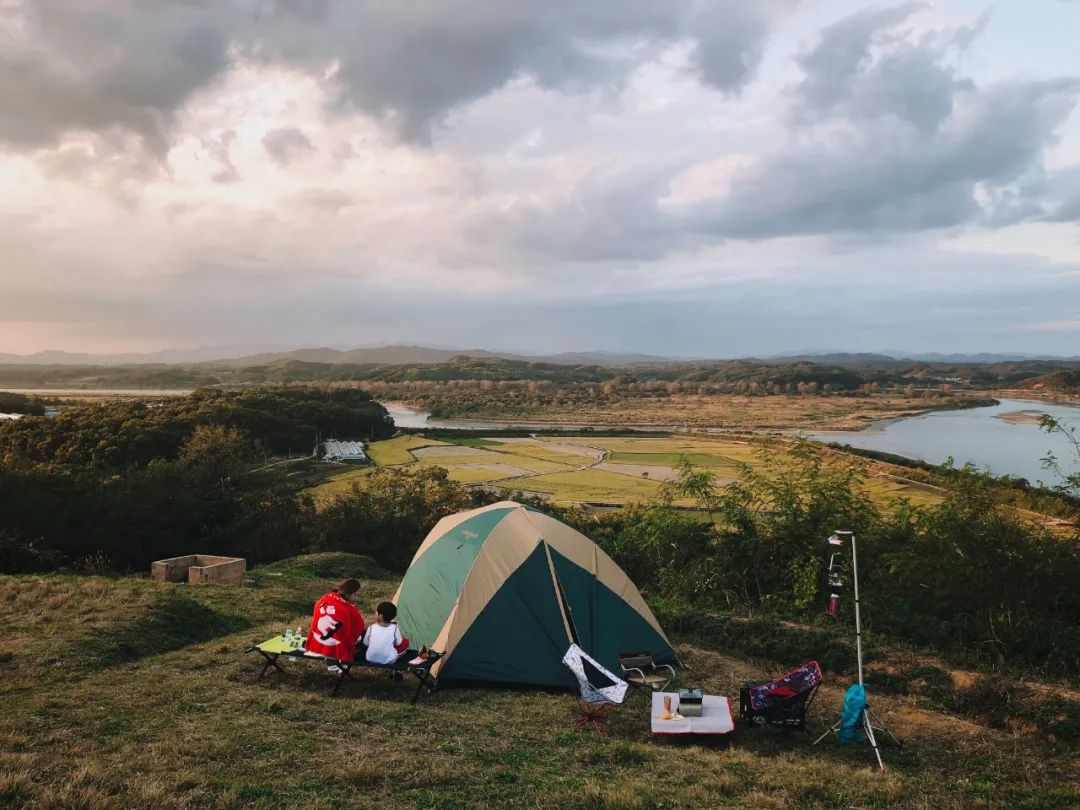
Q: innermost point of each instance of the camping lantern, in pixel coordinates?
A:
(835, 571)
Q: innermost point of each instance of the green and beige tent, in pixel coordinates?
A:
(504, 590)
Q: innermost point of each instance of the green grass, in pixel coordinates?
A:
(467, 441)
(396, 451)
(173, 719)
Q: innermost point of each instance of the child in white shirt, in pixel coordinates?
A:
(382, 638)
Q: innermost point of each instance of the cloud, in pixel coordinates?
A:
(1068, 325)
(129, 65)
(661, 176)
(888, 137)
(885, 136)
(879, 178)
(286, 144)
(78, 67)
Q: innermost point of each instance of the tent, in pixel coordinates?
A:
(504, 590)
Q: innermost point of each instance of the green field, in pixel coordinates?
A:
(396, 450)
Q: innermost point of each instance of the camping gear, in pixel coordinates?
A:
(858, 712)
(851, 716)
(505, 589)
(715, 716)
(690, 702)
(783, 701)
(599, 690)
(273, 649)
(641, 671)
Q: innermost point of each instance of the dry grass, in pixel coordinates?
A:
(840, 412)
(174, 720)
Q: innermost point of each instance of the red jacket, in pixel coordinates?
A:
(336, 626)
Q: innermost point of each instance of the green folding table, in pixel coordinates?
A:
(273, 649)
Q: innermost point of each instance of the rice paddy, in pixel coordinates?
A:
(582, 469)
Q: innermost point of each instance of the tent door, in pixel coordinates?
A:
(568, 617)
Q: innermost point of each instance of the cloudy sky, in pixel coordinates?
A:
(689, 177)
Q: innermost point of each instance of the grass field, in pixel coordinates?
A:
(396, 450)
(124, 692)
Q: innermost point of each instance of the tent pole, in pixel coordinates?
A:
(867, 715)
(858, 619)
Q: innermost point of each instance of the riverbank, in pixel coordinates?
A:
(982, 436)
(688, 412)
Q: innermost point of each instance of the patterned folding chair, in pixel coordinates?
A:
(595, 699)
(781, 702)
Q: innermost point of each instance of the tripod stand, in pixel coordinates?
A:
(869, 721)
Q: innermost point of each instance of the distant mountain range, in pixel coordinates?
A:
(385, 355)
(414, 355)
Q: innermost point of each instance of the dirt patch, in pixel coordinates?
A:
(654, 472)
(503, 469)
(574, 449)
(444, 450)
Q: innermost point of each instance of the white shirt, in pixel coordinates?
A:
(382, 643)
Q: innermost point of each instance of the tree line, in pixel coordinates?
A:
(117, 485)
(782, 372)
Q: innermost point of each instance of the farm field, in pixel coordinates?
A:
(581, 469)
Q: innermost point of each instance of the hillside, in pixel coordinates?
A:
(1057, 382)
(123, 692)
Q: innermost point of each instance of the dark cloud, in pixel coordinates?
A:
(880, 179)
(867, 67)
(110, 67)
(1063, 189)
(890, 137)
(131, 65)
(286, 144)
(886, 136)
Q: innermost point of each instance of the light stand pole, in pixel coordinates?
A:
(868, 718)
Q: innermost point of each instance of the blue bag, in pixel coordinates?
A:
(852, 715)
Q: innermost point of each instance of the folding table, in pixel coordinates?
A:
(273, 649)
(715, 716)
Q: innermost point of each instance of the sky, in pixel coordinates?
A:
(686, 178)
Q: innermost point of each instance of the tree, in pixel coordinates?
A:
(219, 452)
(1069, 482)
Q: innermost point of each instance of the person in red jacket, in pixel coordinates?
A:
(336, 624)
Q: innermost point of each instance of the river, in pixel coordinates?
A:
(976, 435)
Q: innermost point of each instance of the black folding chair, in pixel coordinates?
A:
(642, 672)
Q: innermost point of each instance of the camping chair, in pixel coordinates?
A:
(781, 702)
(594, 699)
(642, 672)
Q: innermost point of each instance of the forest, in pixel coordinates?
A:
(113, 486)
